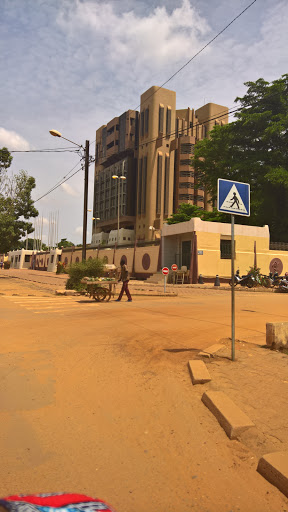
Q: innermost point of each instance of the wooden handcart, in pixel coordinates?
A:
(100, 290)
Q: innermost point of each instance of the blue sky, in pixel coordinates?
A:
(73, 65)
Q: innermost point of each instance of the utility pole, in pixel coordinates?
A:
(85, 200)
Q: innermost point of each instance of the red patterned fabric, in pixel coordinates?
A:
(52, 502)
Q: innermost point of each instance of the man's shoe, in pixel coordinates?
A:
(129, 300)
(117, 300)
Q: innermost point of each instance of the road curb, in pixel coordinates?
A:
(274, 468)
(210, 351)
(229, 416)
(199, 372)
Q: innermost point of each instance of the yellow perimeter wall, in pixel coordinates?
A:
(209, 235)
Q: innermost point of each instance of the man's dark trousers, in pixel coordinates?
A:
(126, 290)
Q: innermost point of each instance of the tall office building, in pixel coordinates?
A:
(153, 150)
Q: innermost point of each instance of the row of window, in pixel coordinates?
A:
(190, 197)
(186, 148)
(187, 174)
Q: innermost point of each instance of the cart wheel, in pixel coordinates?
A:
(108, 296)
(100, 294)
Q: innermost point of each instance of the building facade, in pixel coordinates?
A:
(152, 150)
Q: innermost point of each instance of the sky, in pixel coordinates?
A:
(73, 65)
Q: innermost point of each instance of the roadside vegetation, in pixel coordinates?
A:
(88, 268)
(16, 204)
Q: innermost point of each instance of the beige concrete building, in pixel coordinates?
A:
(153, 151)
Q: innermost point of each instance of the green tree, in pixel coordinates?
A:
(16, 204)
(188, 211)
(253, 149)
(65, 243)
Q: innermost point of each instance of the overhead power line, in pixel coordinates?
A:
(160, 87)
(200, 51)
(59, 183)
(51, 150)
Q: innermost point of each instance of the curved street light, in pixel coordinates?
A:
(55, 133)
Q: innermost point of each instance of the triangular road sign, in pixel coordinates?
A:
(233, 202)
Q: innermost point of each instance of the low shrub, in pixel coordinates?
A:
(61, 269)
(7, 264)
(88, 268)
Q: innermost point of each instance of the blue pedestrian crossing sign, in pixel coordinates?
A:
(233, 197)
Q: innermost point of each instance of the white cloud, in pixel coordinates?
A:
(69, 190)
(76, 64)
(12, 140)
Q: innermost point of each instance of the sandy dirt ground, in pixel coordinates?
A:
(97, 398)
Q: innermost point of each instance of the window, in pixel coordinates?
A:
(186, 148)
(166, 184)
(140, 185)
(186, 184)
(146, 120)
(128, 237)
(161, 118)
(144, 185)
(168, 121)
(159, 184)
(186, 197)
(226, 249)
(142, 123)
(124, 237)
(52, 258)
(187, 174)
(110, 145)
(185, 161)
(200, 198)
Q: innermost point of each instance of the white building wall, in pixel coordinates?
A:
(53, 259)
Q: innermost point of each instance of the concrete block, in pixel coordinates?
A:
(199, 372)
(60, 292)
(274, 467)
(277, 334)
(228, 414)
(210, 351)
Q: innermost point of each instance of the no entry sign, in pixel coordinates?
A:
(174, 267)
(165, 271)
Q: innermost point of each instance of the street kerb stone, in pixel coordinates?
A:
(230, 417)
(210, 351)
(274, 467)
(277, 334)
(199, 372)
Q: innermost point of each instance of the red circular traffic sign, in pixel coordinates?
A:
(174, 267)
(165, 271)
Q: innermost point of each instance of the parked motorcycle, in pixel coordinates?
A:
(283, 285)
(275, 279)
(247, 280)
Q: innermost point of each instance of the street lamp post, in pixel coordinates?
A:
(115, 177)
(94, 219)
(55, 133)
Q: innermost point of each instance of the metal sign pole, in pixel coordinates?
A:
(164, 284)
(232, 290)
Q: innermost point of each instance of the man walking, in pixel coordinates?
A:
(125, 280)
